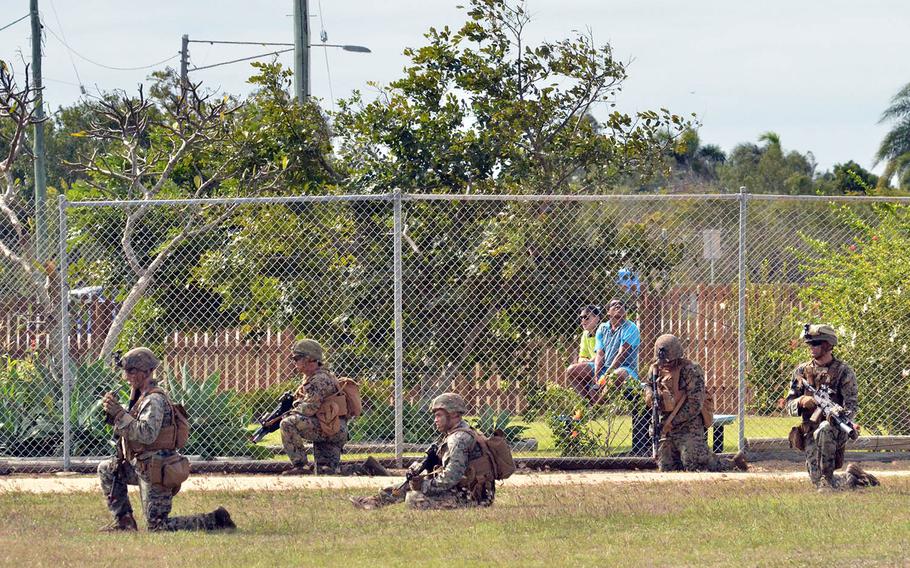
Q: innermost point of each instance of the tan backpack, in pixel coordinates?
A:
(496, 460)
(351, 391)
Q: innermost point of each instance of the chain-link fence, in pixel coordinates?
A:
(415, 295)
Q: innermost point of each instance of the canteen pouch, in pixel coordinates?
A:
(170, 471)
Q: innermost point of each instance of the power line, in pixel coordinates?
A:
(242, 59)
(69, 53)
(111, 67)
(14, 22)
(324, 37)
(211, 41)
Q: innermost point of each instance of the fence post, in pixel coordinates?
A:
(64, 334)
(741, 320)
(399, 349)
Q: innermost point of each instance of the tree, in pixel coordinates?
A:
(767, 168)
(895, 147)
(38, 278)
(182, 142)
(848, 178)
(479, 109)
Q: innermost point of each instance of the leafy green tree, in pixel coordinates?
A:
(767, 168)
(481, 109)
(848, 178)
(894, 150)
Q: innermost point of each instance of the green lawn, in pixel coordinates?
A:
(756, 427)
(734, 523)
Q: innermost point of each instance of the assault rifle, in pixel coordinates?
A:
(655, 411)
(268, 423)
(430, 462)
(834, 412)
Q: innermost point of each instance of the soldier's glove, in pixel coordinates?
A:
(416, 483)
(112, 406)
(807, 402)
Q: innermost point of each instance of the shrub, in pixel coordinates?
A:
(863, 290)
(378, 425)
(489, 420)
(217, 418)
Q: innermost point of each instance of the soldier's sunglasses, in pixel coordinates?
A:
(815, 343)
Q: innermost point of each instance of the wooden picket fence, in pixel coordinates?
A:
(703, 316)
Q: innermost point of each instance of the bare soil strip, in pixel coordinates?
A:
(75, 484)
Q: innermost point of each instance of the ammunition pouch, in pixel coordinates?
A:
(170, 471)
(798, 436)
(330, 413)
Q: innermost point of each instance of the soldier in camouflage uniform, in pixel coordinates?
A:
(823, 442)
(308, 421)
(681, 385)
(453, 484)
(139, 430)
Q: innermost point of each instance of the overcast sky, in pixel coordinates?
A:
(817, 72)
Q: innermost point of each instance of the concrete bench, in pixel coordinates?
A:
(721, 421)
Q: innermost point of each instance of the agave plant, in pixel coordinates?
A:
(217, 418)
(489, 420)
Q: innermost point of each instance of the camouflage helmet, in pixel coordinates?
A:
(450, 402)
(140, 358)
(667, 348)
(309, 348)
(819, 332)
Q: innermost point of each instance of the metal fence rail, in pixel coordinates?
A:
(414, 295)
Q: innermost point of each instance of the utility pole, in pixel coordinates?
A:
(301, 50)
(41, 250)
(184, 59)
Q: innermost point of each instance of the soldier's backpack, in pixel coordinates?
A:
(351, 391)
(496, 459)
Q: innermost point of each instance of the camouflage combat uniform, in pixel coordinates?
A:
(685, 446)
(450, 486)
(302, 426)
(142, 425)
(824, 443)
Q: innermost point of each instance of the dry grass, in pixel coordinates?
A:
(637, 524)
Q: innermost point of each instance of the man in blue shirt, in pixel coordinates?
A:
(616, 347)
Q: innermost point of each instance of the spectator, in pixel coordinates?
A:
(581, 373)
(616, 347)
(616, 366)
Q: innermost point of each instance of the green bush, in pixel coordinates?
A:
(489, 420)
(378, 425)
(31, 410)
(863, 290)
(218, 419)
(263, 401)
(770, 330)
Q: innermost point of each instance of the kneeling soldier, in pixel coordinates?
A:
(682, 413)
(149, 434)
(463, 479)
(823, 442)
(319, 414)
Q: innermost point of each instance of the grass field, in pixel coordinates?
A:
(756, 427)
(741, 522)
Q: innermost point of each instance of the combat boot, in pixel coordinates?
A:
(739, 461)
(858, 477)
(223, 519)
(122, 523)
(372, 467)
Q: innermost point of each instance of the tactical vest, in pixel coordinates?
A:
(171, 436)
(830, 376)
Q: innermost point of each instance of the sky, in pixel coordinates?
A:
(816, 72)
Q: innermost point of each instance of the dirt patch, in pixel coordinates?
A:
(82, 483)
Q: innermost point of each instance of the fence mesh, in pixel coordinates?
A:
(492, 291)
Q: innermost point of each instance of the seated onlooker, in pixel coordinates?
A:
(581, 373)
